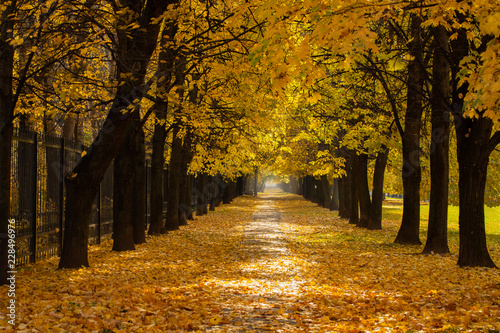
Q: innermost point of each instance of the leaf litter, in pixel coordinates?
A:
(275, 263)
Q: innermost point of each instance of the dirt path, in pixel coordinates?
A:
(270, 277)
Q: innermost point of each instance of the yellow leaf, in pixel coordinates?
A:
(215, 320)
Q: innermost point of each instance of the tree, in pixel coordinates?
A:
(477, 136)
(375, 221)
(410, 224)
(135, 44)
(437, 231)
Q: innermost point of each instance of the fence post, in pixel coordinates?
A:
(61, 192)
(33, 197)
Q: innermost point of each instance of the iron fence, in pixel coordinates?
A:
(39, 164)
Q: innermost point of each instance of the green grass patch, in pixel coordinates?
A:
(394, 213)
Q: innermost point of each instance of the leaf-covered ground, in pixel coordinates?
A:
(275, 263)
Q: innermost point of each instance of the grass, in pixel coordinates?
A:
(393, 211)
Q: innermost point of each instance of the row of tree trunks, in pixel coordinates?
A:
(350, 194)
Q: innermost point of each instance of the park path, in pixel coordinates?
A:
(270, 283)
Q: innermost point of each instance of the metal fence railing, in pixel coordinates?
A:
(39, 163)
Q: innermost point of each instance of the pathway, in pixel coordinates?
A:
(271, 277)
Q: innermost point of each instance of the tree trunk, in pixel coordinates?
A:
(473, 157)
(319, 192)
(310, 191)
(139, 194)
(437, 232)
(123, 197)
(213, 189)
(185, 204)
(227, 195)
(475, 143)
(375, 222)
(325, 188)
(353, 186)
(220, 190)
(363, 191)
(294, 185)
(335, 195)
(345, 186)
(410, 224)
(200, 198)
(6, 133)
(134, 51)
(172, 217)
(156, 224)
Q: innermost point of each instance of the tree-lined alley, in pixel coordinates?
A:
(342, 101)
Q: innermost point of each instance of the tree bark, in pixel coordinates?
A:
(185, 203)
(410, 225)
(375, 222)
(345, 186)
(123, 197)
(139, 194)
(363, 191)
(319, 192)
(475, 143)
(325, 188)
(156, 224)
(227, 196)
(82, 183)
(437, 231)
(335, 195)
(473, 157)
(172, 216)
(353, 186)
